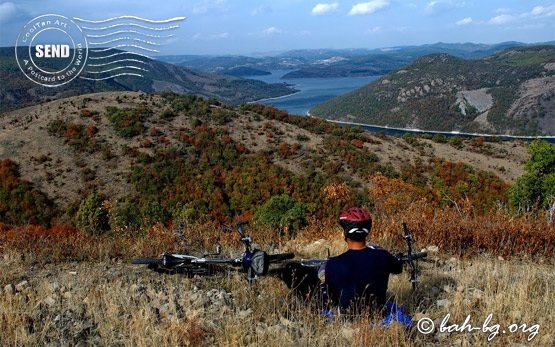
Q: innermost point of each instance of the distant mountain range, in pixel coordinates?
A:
(314, 63)
(17, 91)
(509, 92)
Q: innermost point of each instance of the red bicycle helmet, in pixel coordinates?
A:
(356, 223)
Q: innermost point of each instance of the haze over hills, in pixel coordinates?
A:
(17, 91)
(309, 63)
(510, 92)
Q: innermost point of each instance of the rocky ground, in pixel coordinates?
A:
(114, 303)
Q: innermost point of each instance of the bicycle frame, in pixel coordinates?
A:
(169, 262)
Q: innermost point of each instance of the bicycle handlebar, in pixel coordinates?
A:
(413, 256)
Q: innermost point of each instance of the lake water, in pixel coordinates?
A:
(313, 91)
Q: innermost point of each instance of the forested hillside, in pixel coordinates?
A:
(511, 92)
(17, 91)
(129, 161)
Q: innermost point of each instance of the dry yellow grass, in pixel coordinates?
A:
(112, 303)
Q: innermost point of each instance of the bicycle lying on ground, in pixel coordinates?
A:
(253, 262)
(256, 263)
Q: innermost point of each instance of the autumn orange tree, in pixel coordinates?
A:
(20, 201)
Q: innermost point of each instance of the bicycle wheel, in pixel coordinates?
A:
(147, 261)
(274, 258)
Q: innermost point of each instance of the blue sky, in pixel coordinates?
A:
(245, 27)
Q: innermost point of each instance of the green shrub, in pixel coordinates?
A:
(168, 114)
(126, 215)
(282, 212)
(92, 217)
(153, 212)
(537, 186)
(20, 201)
(127, 122)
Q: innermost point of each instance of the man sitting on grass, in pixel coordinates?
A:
(355, 281)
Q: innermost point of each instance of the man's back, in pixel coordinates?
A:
(360, 275)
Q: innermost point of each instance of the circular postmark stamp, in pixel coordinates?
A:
(51, 50)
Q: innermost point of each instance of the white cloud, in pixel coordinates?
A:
(540, 11)
(208, 6)
(464, 21)
(527, 19)
(532, 26)
(375, 29)
(438, 6)
(502, 10)
(220, 36)
(501, 19)
(323, 8)
(261, 10)
(368, 7)
(271, 31)
(7, 10)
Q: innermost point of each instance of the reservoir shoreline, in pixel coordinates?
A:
(402, 131)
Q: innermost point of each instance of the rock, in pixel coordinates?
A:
(432, 249)
(9, 289)
(441, 336)
(244, 314)
(445, 303)
(261, 329)
(198, 299)
(447, 288)
(286, 322)
(276, 330)
(53, 287)
(21, 285)
(500, 258)
(49, 301)
(460, 289)
(477, 293)
(348, 332)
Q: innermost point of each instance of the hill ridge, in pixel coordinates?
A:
(434, 93)
(17, 91)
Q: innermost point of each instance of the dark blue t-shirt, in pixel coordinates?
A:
(360, 277)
